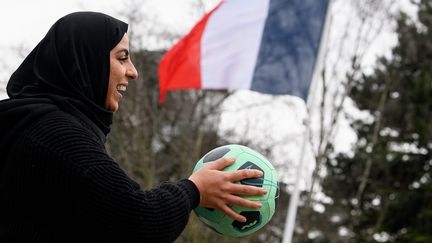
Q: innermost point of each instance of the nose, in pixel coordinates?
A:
(131, 72)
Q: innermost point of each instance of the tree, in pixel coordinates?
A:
(383, 192)
(353, 28)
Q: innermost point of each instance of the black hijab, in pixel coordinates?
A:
(69, 71)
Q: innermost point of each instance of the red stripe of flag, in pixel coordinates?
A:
(180, 67)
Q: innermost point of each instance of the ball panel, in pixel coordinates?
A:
(255, 153)
(273, 192)
(265, 180)
(253, 221)
(212, 216)
(216, 154)
(230, 151)
(258, 182)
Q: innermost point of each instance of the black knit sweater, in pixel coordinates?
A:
(59, 185)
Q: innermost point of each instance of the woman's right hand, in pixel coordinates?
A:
(218, 190)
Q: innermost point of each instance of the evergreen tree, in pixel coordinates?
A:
(385, 190)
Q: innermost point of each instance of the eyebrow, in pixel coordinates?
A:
(126, 51)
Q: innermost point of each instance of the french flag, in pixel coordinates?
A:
(269, 46)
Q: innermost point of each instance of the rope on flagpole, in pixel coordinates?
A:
(294, 199)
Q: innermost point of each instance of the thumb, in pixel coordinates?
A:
(221, 163)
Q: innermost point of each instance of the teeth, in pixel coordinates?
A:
(121, 88)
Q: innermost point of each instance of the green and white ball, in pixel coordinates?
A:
(246, 158)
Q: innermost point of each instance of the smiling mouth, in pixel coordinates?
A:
(121, 87)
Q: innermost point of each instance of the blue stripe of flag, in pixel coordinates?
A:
(289, 47)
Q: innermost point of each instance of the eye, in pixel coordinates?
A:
(123, 59)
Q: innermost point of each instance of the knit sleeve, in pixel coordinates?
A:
(101, 200)
(117, 205)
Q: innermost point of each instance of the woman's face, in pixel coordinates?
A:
(121, 71)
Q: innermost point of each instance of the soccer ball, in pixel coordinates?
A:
(246, 158)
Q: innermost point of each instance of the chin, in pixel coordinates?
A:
(112, 108)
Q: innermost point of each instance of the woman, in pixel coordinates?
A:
(57, 183)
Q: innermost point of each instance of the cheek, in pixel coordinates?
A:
(112, 70)
(111, 90)
(113, 79)
(116, 71)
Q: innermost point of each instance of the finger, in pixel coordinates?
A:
(221, 163)
(235, 200)
(246, 190)
(239, 175)
(228, 211)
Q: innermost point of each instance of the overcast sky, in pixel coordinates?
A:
(28, 20)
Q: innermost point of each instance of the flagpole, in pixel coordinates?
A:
(294, 199)
(293, 204)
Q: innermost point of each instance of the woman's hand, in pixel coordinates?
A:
(218, 190)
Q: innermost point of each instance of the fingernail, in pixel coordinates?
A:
(231, 159)
(259, 205)
(264, 191)
(260, 173)
(243, 220)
